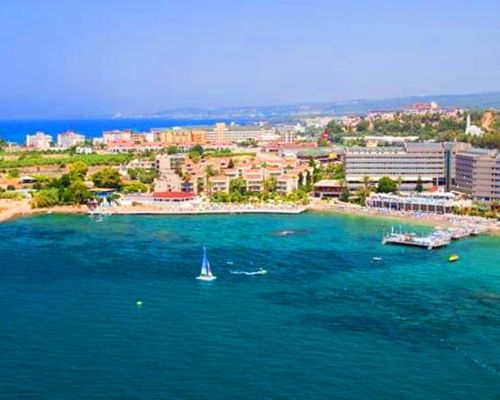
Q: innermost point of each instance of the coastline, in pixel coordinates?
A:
(431, 220)
(10, 209)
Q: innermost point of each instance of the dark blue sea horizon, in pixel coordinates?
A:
(15, 130)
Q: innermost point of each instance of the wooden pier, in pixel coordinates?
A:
(435, 240)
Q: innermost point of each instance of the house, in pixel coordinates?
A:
(161, 198)
(254, 182)
(327, 188)
(286, 184)
(218, 184)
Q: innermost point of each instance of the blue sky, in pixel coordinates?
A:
(86, 57)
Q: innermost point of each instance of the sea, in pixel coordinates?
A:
(15, 130)
(111, 309)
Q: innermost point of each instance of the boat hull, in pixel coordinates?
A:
(206, 278)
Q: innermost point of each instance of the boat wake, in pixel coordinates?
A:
(291, 232)
(250, 273)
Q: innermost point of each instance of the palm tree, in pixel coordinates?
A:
(209, 172)
(364, 191)
(186, 177)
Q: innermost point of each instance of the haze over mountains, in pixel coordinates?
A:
(358, 106)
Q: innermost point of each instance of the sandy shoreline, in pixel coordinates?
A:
(10, 209)
(432, 220)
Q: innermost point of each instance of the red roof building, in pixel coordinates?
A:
(160, 198)
(173, 196)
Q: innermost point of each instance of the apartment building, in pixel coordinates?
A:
(288, 136)
(169, 162)
(109, 137)
(69, 139)
(254, 180)
(286, 184)
(430, 162)
(179, 137)
(39, 141)
(478, 173)
(223, 133)
(218, 184)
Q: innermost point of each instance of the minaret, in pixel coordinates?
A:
(468, 124)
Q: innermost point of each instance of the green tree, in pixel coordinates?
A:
(364, 190)
(298, 196)
(270, 184)
(268, 187)
(186, 177)
(419, 186)
(309, 181)
(238, 185)
(334, 171)
(107, 178)
(386, 185)
(146, 176)
(194, 156)
(76, 193)
(172, 150)
(363, 126)
(301, 180)
(78, 170)
(210, 171)
(334, 127)
(45, 198)
(220, 197)
(134, 187)
(198, 148)
(248, 143)
(345, 194)
(13, 173)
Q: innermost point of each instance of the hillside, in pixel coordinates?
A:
(360, 106)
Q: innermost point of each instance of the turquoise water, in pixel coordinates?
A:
(325, 322)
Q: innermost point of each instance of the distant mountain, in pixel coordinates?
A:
(360, 106)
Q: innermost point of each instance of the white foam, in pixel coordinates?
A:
(259, 272)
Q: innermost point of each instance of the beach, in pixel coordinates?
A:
(11, 209)
(430, 219)
(204, 208)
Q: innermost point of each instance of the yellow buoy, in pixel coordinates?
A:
(453, 257)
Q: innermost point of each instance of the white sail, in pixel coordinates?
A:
(206, 270)
(205, 265)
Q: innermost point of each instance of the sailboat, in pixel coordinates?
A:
(206, 270)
